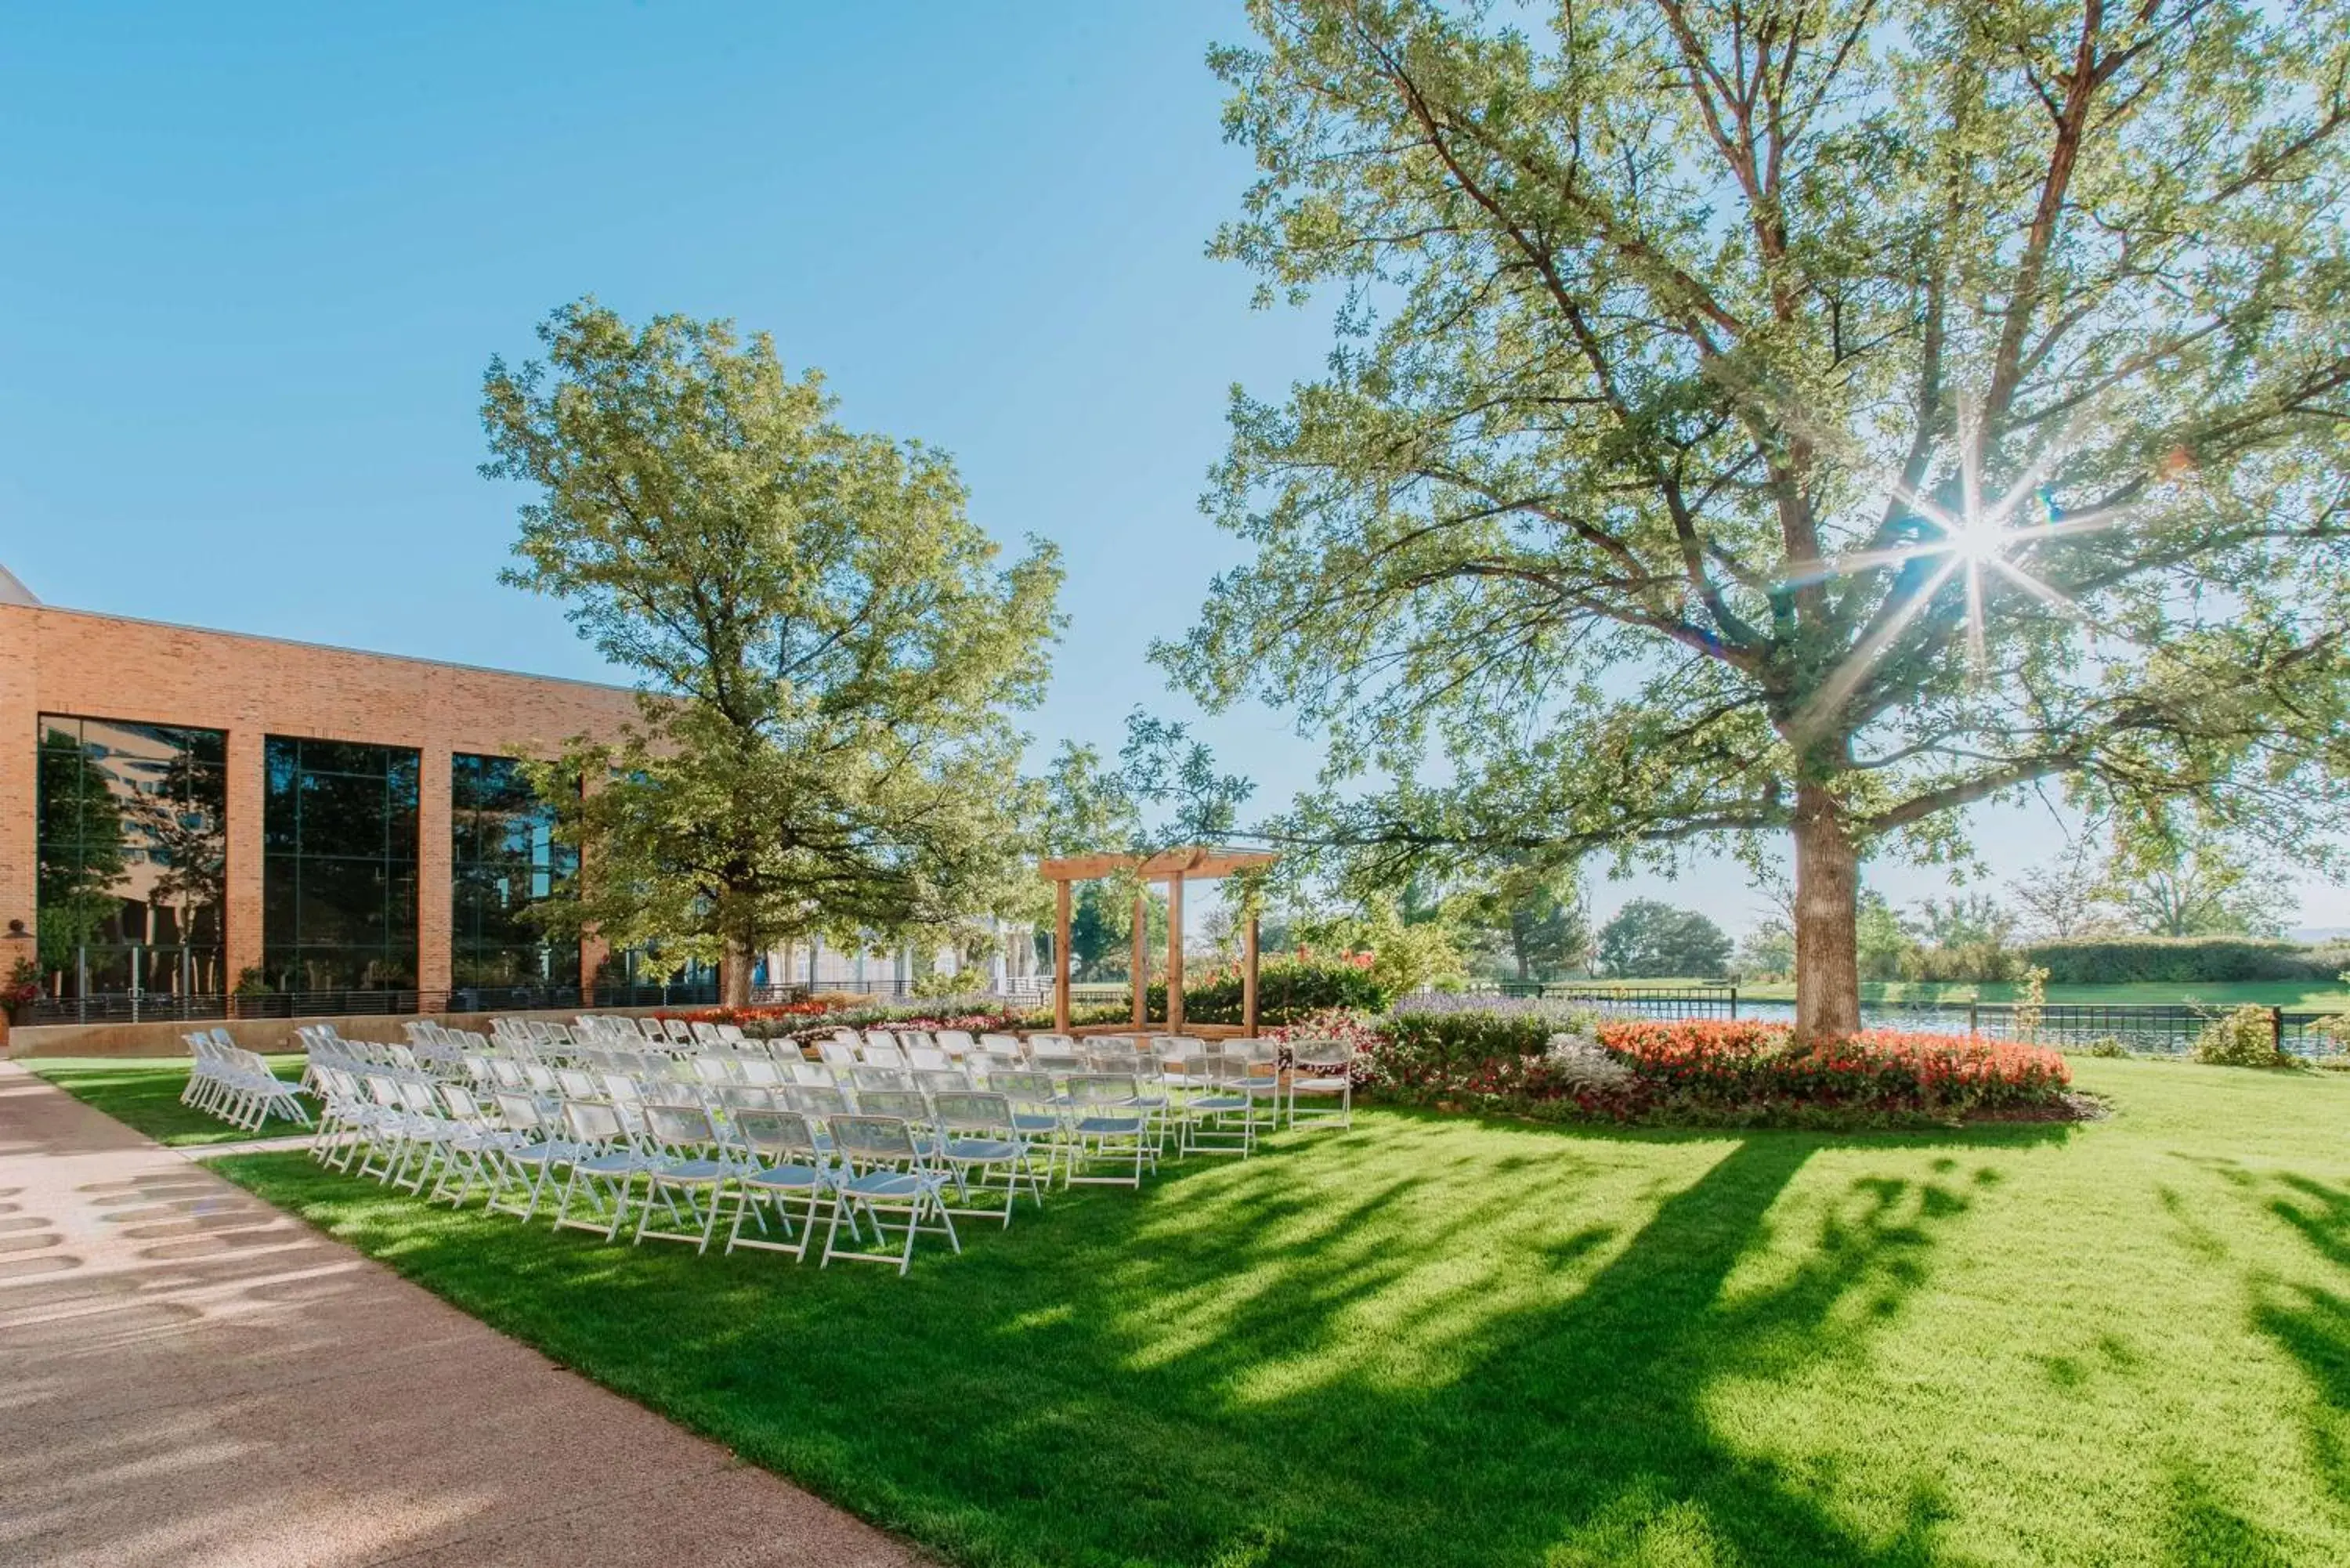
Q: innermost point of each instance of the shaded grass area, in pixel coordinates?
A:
(144, 1092)
(1437, 1341)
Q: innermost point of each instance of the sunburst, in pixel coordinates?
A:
(1984, 543)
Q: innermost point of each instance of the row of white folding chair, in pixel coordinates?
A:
(237, 1086)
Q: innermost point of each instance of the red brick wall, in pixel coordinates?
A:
(69, 661)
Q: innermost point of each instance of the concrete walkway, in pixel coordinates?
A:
(188, 1376)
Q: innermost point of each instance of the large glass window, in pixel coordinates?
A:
(502, 859)
(132, 851)
(338, 866)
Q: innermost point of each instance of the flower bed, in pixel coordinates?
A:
(1714, 1072)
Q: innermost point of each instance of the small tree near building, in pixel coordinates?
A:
(830, 650)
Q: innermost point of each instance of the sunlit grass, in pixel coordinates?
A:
(144, 1092)
(1433, 1341)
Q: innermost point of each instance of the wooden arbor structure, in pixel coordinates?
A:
(1174, 867)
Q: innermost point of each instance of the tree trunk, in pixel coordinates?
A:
(734, 974)
(1827, 903)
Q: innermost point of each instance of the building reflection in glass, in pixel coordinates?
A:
(132, 857)
(338, 865)
(502, 859)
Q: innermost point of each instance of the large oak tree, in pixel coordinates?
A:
(1808, 417)
(830, 650)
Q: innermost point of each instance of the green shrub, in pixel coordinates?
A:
(2244, 1038)
(2121, 961)
(1702, 1072)
(2105, 1045)
(1286, 989)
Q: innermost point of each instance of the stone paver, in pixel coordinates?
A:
(189, 1377)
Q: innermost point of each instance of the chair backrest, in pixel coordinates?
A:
(732, 1033)
(463, 1105)
(679, 1127)
(593, 1121)
(760, 1071)
(1321, 1053)
(681, 1032)
(838, 1053)
(880, 1037)
(576, 1084)
(714, 1069)
(745, 1098)
(1057, 1062)
(1102, 1088)
(651, 1028)
(1005, 1046)
(883, 1055)
(968, 1111)
(926, 1058)
(863, 1078)
(814, 1099)
(956, 1042)
(815, 1073)
(951, 1081)
(777, 1135)
(873, 1140)
(705, 1033)
(907, 1105)
(519, 1112)
(1025, 1088)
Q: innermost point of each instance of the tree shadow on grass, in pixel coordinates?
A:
(2312, 1322)
(1430, 1342)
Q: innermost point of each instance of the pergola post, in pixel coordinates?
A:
(1141, 959)
(1175, 954)
(1173, 867)
(1061, 958)
(1248, 976)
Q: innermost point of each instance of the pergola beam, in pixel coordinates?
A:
(1194, 864)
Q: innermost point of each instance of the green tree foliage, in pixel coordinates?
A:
(1648, 939)
(1101, 928)
(1882, 944)
(1813, 418)
(1530, 921)
(1406, 955)
(2197, 884)
(1766, 952)
(829, 646)
(1965, 937)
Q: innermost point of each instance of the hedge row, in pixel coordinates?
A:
(1287, 989)
(2121, 960)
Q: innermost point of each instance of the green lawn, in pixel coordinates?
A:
(144, 1092)
(1440, 1342)
(2299, 995)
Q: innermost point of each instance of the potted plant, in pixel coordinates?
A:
(24, 989)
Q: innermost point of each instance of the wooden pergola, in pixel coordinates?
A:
(1174, 867)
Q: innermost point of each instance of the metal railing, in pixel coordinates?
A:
(2155, 1028)
(144, 1007)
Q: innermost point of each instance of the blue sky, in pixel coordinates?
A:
(258, 257)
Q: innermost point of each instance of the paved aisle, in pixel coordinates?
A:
(188, 1376)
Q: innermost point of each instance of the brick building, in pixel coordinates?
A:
(181, 810)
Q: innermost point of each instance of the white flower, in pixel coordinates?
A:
(1582, 1064)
